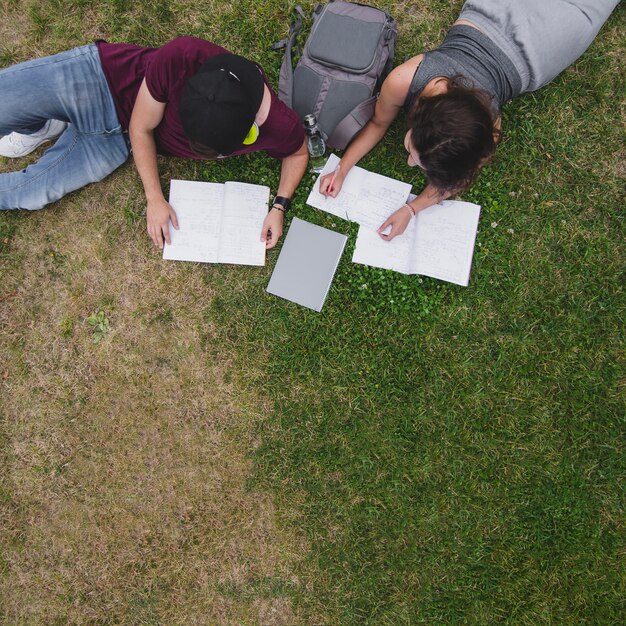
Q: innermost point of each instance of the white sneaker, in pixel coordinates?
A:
(16, 145)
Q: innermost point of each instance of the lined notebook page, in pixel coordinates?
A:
(395, 255)
(366, 197)
(444, 241)
(245, 208)
(198, 207)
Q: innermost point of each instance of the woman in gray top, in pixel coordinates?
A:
(496, 50)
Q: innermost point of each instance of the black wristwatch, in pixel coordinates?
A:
(281, 203)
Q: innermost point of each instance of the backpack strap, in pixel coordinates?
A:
(285, 80)
(352, 123)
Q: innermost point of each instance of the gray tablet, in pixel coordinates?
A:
(307, 264)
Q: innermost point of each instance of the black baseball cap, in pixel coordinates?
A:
(219, 103)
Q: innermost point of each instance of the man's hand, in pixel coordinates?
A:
(398, 221)
(159, 213)
(272, 228)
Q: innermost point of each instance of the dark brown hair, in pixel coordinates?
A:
(453, 134)
(204, 151)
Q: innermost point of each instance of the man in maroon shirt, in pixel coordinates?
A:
(190, 98)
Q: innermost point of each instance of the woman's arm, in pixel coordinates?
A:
(391, 99)
(147, 115)
(399, 220)
(291, 173)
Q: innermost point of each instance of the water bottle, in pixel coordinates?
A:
(315, 142)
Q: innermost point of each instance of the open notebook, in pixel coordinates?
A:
(307, 264)
(218, 222)
(439, 241)
(366, 197)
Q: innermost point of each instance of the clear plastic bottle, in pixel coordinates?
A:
(315, 142)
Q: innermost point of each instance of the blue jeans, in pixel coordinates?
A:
(71, 87)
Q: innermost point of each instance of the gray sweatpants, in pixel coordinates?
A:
(541, 37)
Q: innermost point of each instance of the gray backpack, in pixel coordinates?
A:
(346, 57)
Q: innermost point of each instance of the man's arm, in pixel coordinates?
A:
(147, 115)
(292, 170)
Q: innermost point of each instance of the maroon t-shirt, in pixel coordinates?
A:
(166, 70)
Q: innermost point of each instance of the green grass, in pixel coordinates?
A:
(416, 453)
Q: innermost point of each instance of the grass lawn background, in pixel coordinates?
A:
(417, 453)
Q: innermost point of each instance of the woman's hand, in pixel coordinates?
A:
(330, 184)
(159, 213)
(272, 228)
(398, 221)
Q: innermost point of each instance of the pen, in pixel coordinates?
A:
(332, 180)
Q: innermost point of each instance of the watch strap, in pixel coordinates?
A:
(281, 203)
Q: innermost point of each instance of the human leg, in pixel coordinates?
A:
(540, 37)
(17, 144)
(75, 160)
(71, 87)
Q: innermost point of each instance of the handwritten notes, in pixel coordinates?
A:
(218, 223)
(366, 197)
(439, 242)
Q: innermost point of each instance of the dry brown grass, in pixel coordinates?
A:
(124, 482)
(123, 496)
(14, 27)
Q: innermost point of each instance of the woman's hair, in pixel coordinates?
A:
(453, 134)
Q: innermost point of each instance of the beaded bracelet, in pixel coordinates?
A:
(406, 204)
